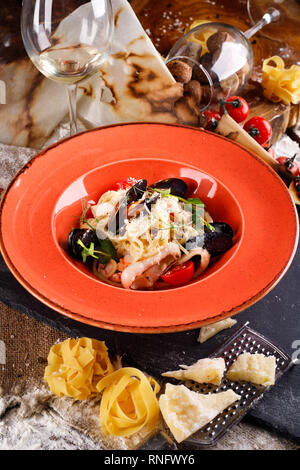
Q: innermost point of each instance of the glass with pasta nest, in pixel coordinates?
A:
(148, 237)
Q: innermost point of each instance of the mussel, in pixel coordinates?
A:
(117, 220)
(215, 241)
(176, 186)
(143, 207)
(220, 227)
(87, 236)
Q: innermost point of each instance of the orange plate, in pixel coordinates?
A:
(38, 209)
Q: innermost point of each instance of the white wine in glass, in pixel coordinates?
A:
(67, 41)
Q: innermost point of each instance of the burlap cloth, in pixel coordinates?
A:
(27, 343)
(30, 418)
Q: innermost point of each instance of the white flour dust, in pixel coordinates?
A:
(29, 423)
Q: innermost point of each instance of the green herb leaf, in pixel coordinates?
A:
(209, 226)
(86, 252)
(163, 192)
(84, 219)
(107, 249)
(196, 201)
(167, 192)
(103, 253)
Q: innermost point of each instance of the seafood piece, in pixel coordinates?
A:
(221, 227)
(145, 273)
(216, 242)
(200, 256)
(117, 220)
(86, 236)
(140, 208)
(176, 186)
(108, 269)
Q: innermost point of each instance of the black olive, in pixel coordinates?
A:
(220, 227)
(86, 236)
(176, 186)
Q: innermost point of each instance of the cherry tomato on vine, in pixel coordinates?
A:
(290, 165)
(179, 275)
(236, 107)
(212, 119)
(259, 128)
(124, 184)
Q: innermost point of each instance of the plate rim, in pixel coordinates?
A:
(144, 329)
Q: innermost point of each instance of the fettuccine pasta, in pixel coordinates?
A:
(75, 366)
(147, 237)
(279, 83)
(128, 403)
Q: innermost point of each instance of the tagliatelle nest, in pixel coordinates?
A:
(75, 366)
(128, 402)
(280, 83)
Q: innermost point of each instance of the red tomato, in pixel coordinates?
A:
(179, 275)
(236, 107)
(290, 165)
(124, 184)
(212, 119)
(259, 128)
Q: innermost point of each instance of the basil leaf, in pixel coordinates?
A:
(106, 246)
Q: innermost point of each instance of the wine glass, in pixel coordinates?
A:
(67, 41)
(223, 52)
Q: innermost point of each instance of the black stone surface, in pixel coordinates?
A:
(277, 316)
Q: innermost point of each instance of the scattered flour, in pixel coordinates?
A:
(29, 423)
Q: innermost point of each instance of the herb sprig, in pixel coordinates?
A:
(195, 201)
(105, 249)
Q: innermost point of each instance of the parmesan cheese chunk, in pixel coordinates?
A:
(185, 411)
(203, 371)
(211, 330)
(256, 368)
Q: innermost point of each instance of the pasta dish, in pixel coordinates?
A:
(148, 237)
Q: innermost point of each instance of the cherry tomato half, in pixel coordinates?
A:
(179, 275)
(290, 164)
(124, 184)
(236, 107)
(212, 119)
(259, 128)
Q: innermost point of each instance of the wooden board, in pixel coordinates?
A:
(166, 20)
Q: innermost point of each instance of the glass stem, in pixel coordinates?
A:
(72, 95)
(270, 16)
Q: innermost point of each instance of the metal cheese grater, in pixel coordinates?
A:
(243, 340)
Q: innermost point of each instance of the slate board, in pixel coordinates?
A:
(277, 316)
